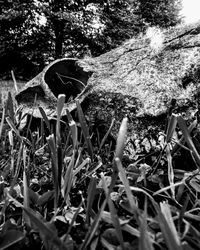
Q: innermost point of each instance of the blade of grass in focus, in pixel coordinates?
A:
(46, 120)
(9, 106)
(26, 178)
(13, 127)
(188, 139)
(119, 150)
(26, 199)
(11, 142)
(121, 139)
(60, 105)
(106, 135)
(168, 228)
(73, 129)
(170, 171)
(85, 129)
(129, 194)
(91, 194)
(14, 81)
(52, 146)
(171, 127)
(59, 150)
(68, 178)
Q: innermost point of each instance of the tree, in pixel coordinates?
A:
(74, 28)
(97, 26)
(77, 27)
(161, 13)
(22, 39)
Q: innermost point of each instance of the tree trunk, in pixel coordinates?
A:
(59, 38)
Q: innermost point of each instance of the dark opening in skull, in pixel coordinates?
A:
(66, 77)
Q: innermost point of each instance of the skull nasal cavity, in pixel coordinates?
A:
(30, 94)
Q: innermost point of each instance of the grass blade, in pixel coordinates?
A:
(170, 171)
(114, 216)
(73, 129)
(169, 187)
(171, 127)
(121, 138)
(74, 218)
(144, 239)
(68, 178)
(11, 141)
(124, 180)
(168, 228)
(114, 176)
(91, 195)
(46, 120)
(181, 141)
(116, 223)
(60, 105)
(82, 165)
(188, 139)
(84, 129)
(52, 146)
(26, 199)
(119, 151)
(93, 227)
(12, 126)
(2, 121)
(170, 240)
(14, 81)
(10, 107)
(106, 135)
(113, 213)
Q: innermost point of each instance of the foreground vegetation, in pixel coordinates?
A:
(65, 190)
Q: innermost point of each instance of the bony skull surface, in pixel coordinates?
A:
(63, 76)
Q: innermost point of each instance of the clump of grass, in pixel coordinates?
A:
(60, 193)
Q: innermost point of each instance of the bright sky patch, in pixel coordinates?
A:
(191, 10)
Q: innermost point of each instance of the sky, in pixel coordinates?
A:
(191, 10)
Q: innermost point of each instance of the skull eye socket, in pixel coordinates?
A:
(66, 77)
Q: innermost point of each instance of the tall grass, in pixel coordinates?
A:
(106, 205)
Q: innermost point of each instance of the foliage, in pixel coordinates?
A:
(64, 190)
(22, 41)
(78, 27)
(72, 28)
(161, 13)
